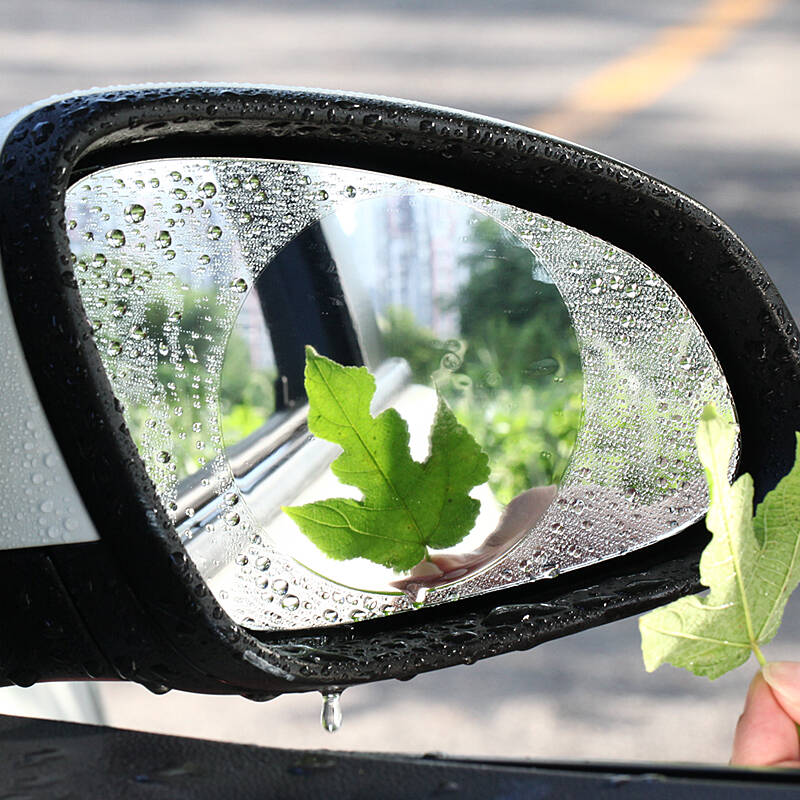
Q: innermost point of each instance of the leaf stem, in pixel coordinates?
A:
(758, 654)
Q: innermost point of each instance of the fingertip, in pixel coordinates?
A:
(783, 675)
(783, 678)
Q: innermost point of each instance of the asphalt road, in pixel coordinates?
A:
(724, 126)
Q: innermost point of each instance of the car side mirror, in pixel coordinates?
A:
(168, 256)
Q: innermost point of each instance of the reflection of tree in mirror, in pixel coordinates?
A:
(172, 333)
(403, 337)
(512, 313)
(647, 449)
(515, 382)
(528, 435)
(179, 326)
(247, 391)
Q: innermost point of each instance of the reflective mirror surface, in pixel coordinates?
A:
(576, 369)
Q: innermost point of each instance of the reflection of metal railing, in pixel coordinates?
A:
(270, 468)
(193, 493)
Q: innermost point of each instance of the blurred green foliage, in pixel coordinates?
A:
(188, 323)
(404, 337)
(246, 393)
(512, 319)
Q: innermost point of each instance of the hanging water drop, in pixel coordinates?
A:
(331, 717)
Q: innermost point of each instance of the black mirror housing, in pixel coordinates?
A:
(132, 605)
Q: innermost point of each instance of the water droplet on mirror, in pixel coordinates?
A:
(125, 276)
(208, 189)
(134, 213)
(214, 232)
(632, 290)
(115, 238)
(451, 361)
(290, 602)
(550, 571)
(239, 285)
(331, 717)
(545, 366)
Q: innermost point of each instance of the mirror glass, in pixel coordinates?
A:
(502, 397)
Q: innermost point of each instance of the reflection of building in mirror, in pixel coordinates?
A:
(408, 251)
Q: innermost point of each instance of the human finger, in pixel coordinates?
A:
(783, 678)
(765, 734)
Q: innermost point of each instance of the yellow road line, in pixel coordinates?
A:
(638, 79)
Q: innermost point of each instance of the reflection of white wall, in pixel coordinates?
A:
(407, 251)
(252, 326)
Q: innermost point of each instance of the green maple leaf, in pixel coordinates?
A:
(751, 566)
(408, 506)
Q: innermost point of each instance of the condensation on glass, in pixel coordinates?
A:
(577, 369)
